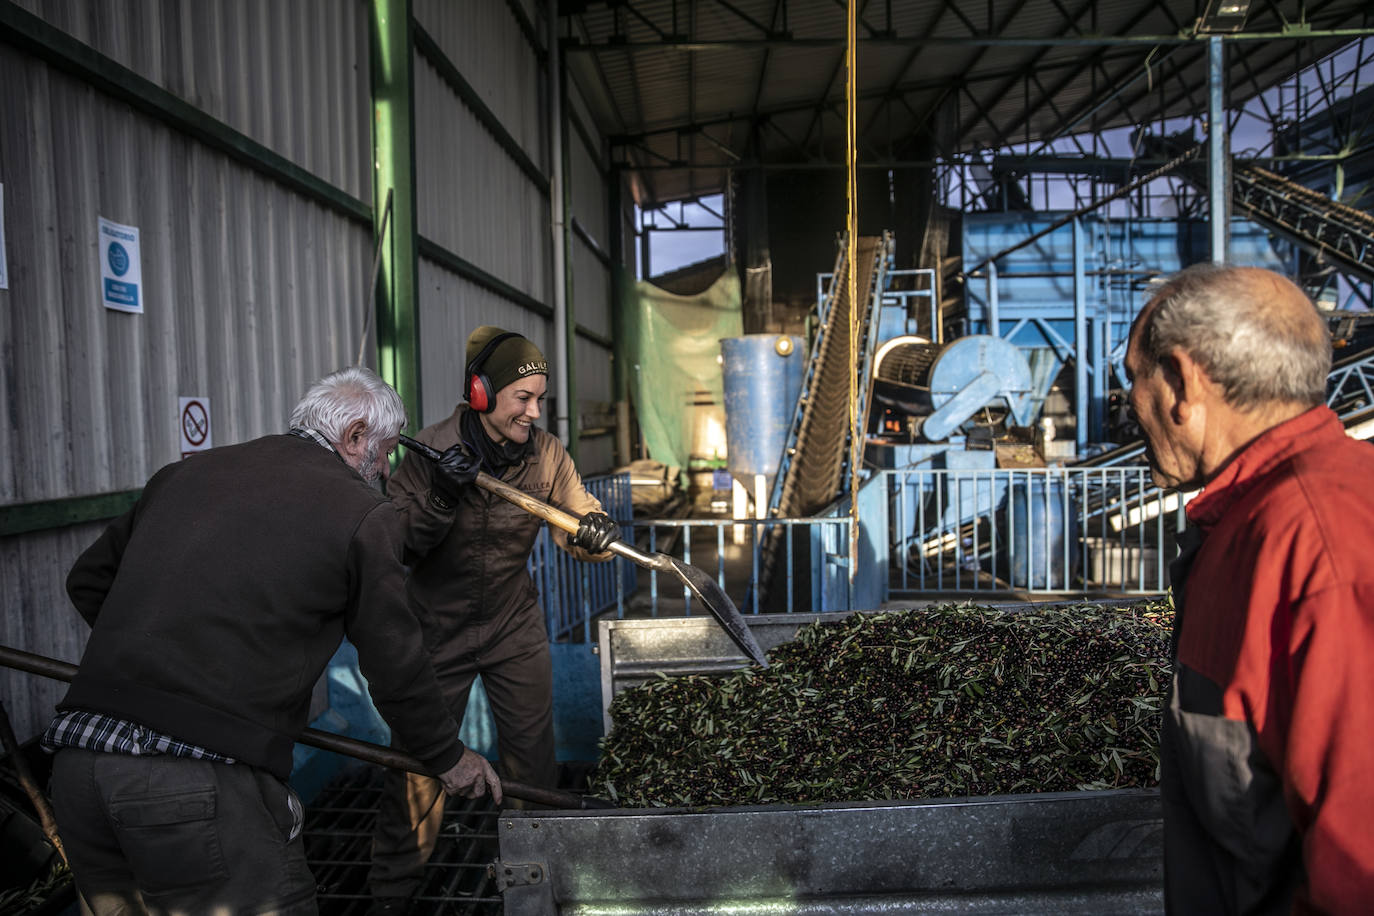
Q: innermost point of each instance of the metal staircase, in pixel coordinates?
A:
(819, 451)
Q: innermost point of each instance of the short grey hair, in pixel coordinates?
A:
(1260, 346)
(354, 393)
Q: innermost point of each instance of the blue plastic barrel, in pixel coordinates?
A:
(763, 375)
(1042, 549)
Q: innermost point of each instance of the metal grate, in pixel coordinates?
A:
(338, 845)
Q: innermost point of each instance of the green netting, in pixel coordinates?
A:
(675, 378)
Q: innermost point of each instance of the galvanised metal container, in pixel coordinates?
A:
(1068, 852)
(1077, 852)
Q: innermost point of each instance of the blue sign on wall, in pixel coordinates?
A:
(121, 270)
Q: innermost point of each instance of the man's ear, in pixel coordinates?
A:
(1187, 381)
(354, 442)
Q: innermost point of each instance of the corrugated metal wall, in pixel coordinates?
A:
(250, 289)
(292, 76)
(462, 306)
(254, 283)
(500, 223)
(592, 278)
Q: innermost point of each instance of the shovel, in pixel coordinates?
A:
(706, 590)
(366, 751)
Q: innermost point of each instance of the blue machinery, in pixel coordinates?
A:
(963, 513)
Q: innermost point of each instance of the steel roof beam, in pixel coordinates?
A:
(1093, 107)
(1068, 80)
(905, 89)
(892, 89)
(1186, 92)
(969, 41)
(1070, 23)
(778, 6)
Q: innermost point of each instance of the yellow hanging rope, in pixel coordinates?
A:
(851, 237)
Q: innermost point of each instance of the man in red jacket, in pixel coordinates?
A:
(1267, 744)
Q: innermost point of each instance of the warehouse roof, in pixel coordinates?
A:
(685, 89)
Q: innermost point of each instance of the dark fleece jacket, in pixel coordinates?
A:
(217, 601)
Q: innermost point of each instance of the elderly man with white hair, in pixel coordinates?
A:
(216, 603)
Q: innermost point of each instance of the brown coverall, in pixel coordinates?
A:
(480, 614)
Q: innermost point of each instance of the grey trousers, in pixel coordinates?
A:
(160, 834)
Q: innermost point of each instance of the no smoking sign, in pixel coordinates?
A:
(195, 425)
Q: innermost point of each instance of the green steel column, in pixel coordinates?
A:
(393, 145)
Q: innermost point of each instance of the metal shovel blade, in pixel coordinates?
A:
(709, 593)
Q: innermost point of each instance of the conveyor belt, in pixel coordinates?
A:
(1331, 229)
(813, 467)
(1339, 234)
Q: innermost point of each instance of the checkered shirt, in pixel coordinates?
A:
(95, 731)
(313, 435)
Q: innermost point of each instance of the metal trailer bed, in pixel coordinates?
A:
(1078, 852)
(1075, 852)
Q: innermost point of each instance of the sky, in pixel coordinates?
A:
(669, 250)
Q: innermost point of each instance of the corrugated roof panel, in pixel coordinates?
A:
(717, 22)
(617, 70)
(722, 81)
(799, 76)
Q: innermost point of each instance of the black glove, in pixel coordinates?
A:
(454, 470)
(595, 533)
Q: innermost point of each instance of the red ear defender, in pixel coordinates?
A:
(477, 394)
(478, 387)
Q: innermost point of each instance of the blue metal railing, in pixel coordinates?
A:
(1033, 530)
(922, 532)
(750, 535)
(573, 592)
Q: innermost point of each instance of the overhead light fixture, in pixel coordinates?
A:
(1224, 16)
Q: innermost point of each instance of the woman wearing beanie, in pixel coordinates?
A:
(469, 587)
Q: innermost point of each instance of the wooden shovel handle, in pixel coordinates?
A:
(555, 517)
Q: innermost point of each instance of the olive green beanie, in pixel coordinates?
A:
(514, 358)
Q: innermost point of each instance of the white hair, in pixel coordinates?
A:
(350, 394)
(1259, 350)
